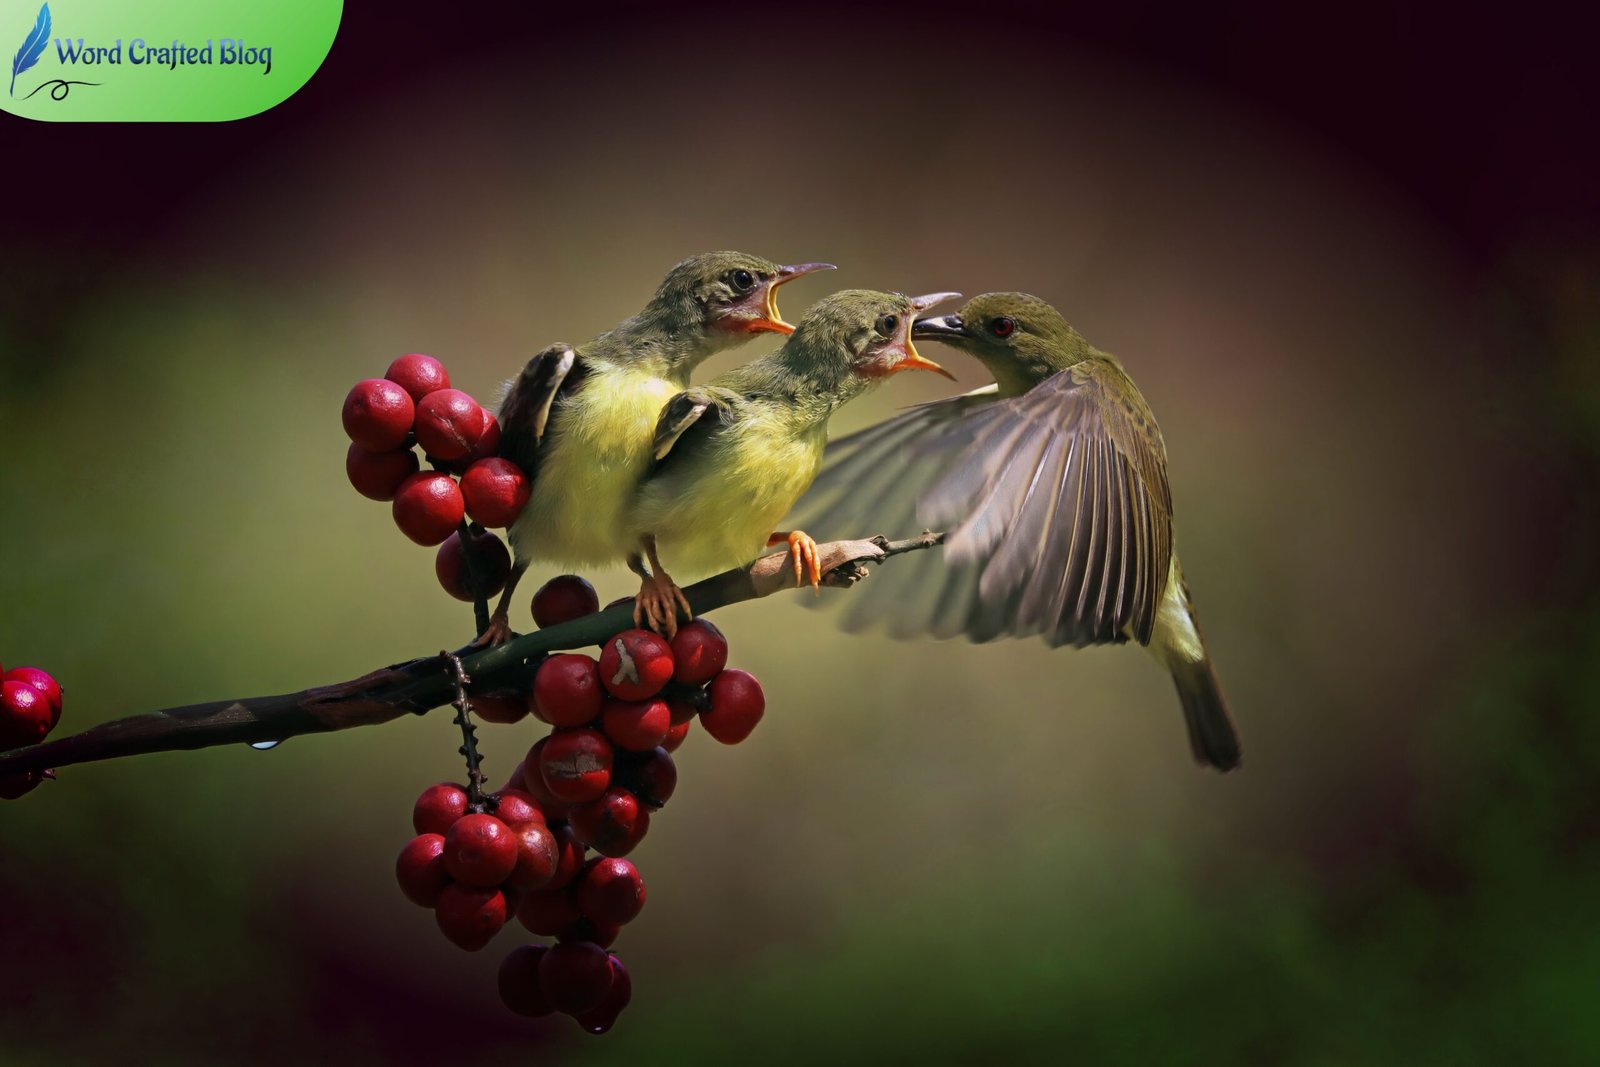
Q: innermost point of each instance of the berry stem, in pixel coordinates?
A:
(469, 732)
(476, 576)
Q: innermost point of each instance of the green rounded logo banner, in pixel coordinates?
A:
(160, 60)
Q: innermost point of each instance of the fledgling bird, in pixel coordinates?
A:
(1052, 487)
(580, 421)
(732, 456)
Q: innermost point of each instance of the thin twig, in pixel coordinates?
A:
(469, 733)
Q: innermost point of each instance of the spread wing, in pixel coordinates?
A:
(869, 485)
(1060, 498)
(525, 411)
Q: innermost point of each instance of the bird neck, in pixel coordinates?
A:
(655, 342)
(808, 397)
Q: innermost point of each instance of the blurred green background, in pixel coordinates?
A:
(1382, 439)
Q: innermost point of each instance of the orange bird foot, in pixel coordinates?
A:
(803, 550)
(658, 603)
(498, 633)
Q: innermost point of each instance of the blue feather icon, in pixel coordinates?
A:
(33, 47)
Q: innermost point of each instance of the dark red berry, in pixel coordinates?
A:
(651, 776)
(420, 869)
(603, 1016)
(676, 735)
(492, 559)
(502, 708)
(480, 850)
(518, 982)
(636, 725)
(600, 933)
(571, 859)
(555, 809)
(515, 807)
(377, 475)
(378, 415)
(635, 664)
(470, 916)
(610, 890)
(681, 708)
(567, 690)
(699, 651)
(547, 912)
(538, 855)
(428, 507)
(43, 682)
(611, 824)
(575, 976)
(737, 704)
(418, 375)
(495, 490)
(438, 808)
(576, 764)
(449, 424)
(562, 599)
(15, 786)
(25, 715)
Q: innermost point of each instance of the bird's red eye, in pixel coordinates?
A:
(1002, 327)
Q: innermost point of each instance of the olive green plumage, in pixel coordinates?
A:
(1052, 487)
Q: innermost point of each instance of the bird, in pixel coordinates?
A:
(579, 421)
(732, 456)
(1051, 486)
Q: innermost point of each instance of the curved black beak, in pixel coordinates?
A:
(937, 328)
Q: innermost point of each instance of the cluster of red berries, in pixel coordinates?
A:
(412, 406)
(590, 783)
(30, 707)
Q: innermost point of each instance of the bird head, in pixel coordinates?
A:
(722, 298)
(1021, 339)
(854, 339)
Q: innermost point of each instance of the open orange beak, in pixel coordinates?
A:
(770, 321)
(910, 358)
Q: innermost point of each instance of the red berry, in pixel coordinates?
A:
(428, 507)
(737, 704)
(518, 982)
(418, 375)
(571, 861)
(681, 708)
(449, 424)
(516, 808)
(43, 682)
(486, 447)
(699, 651)
(491, 557)
(378, 415)
(676, 735)
(495, 490)
(566, 690)
(480, 850)
(576, 764)
(25, 715)
(420, 869)
(562, 599)
(538, 855)
(575, 976)
(555, 809)
(548, 911)
(377, 475)
(586, 929)
(16, 786)
(635, 664)
(636, 725)
(603, 1016)
(651, 776)
(612, 824)
(610, 890)
(502, 708)
(438, 808)
(469, 916)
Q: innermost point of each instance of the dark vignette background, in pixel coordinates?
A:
(1350, 252)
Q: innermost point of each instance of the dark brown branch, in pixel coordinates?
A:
(419, 685)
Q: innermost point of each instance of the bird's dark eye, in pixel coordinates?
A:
(888, 324)
(1002, 326)
(742, 280)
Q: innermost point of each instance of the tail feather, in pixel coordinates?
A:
(1211, 734)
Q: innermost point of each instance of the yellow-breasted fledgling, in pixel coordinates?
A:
(580, 421)
(1052, 487)
(732, 456)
